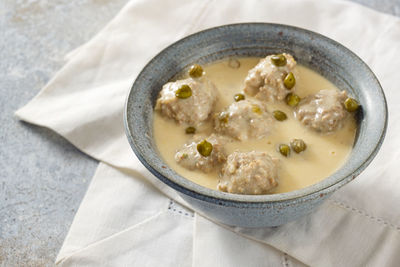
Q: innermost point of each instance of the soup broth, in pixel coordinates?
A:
(325, 153)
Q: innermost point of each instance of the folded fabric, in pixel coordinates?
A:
(128, 217)
(144, 228)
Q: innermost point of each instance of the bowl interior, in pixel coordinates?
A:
(323, 55)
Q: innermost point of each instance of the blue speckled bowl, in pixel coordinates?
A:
(327, 57)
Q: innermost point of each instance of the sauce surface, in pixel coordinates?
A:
(324, 153)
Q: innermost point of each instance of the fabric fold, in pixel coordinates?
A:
(215, 245)
(113, 202)
(148, 243)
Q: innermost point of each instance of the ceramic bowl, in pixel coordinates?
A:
(325, 56)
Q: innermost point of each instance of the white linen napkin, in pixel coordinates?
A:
(124, 220)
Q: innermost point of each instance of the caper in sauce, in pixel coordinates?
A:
(239, 97)
(195, 71)
(278, 60)
(190, 130)
(279, 115)
(289, 81)
(298, 145)
(204, 148)
(284, 150)
(350, 104)
(292, 100)
(183, 92)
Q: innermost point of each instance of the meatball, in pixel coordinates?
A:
(191, 104)
(249, 173)
(189, 157)
(244, 120)
(323, 111)
(266, 80)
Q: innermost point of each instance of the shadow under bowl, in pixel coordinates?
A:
(321, 54)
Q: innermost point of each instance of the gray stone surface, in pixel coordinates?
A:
(42, 177)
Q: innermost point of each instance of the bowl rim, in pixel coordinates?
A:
(197, 191)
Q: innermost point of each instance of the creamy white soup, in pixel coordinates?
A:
(325, 153)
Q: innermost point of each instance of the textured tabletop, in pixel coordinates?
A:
(43, 178)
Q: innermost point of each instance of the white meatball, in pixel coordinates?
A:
(189, 157)
(265, 80)
(249, 173)
(244, 120)
(191, 110)
(323, 111)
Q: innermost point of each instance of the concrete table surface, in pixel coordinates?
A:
(43, 178)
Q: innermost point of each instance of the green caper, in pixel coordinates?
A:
(278, 60)
(223, 117)
(184, 156)
(284, 150)
(256, 109)
(195, 71)
(183, 92)
(190, 130)
(350, 104)
(279, 115)
(239, 97)
(298, 145)
(204, 148)
(289, 81)
(292, 100)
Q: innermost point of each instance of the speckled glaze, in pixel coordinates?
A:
(327, 57)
